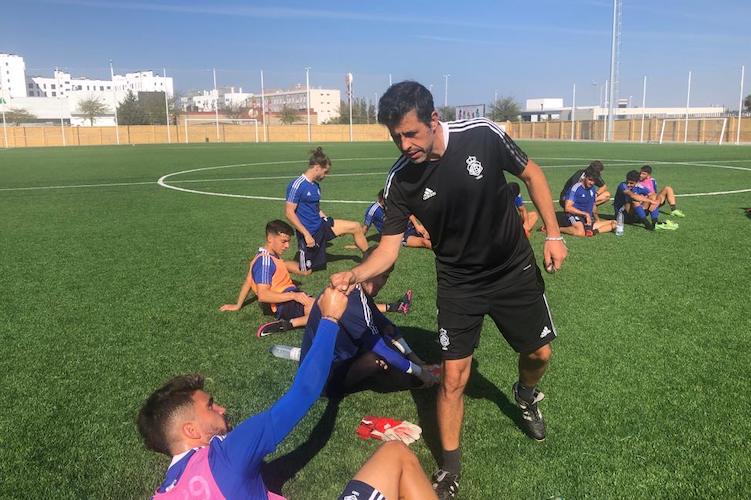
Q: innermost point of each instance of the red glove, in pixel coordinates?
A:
(388, 429)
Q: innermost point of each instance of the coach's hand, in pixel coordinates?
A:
(230, 307)
(554, 253)
(332, 303)
(344, 281)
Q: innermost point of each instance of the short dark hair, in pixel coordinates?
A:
(597, 165)
(591, 173)
(633, 176)
(318, 157)
(400, 99)
(161, 406)
(380, 195)
(514, 186)
(647, 169)
(279, 227)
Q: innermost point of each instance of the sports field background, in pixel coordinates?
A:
(110, 288)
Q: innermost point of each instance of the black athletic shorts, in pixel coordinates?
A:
(357, 490)
(516, 302)
(314, 258)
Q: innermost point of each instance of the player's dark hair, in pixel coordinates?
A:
(380, 195)
(597, 165)
(514, 186)
(400, 99)
(591, 173)
(165, 402)
(278, 227)
(633, 176)
(647, 169)
(318, 157)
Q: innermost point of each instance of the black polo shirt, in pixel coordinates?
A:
(465, 204)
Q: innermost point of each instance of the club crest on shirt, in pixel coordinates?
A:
(443, 338)
(474, 167)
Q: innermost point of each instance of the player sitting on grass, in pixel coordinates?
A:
(630, 199)
(315, 228)
(579, 219)
(415, 236)
(665, 194)
(602, 189)
(269, 279)
(211, 460)
(370, 352)
(529, 218)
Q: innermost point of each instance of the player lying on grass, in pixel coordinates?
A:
(603, 194)
(665, 194)
(415, 236)
(529, 218)
(314, 227)
(370, 351)
(579, 218)
(270, 280)
(211, 460)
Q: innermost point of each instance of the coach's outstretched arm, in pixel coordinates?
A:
(554, 251)
(382, 258)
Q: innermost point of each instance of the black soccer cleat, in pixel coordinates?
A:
(534, 425)
(273, 327)
(445, 484)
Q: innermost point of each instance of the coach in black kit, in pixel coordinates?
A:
(450, 176)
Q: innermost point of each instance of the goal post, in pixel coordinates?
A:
(237, 134)
(701, 130)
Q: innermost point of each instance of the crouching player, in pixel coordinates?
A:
(370, 352)
(630, 199)
(659, 198)
(579, 208)
(415, 236)
(270, 280)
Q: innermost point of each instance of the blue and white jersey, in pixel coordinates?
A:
(583, 198)
(374, 216)
(307, 196)
(621, 198)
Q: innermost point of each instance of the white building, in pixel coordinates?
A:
(12, 76)
(324, 103)
(62, 84)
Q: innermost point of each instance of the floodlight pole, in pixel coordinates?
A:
(216, 106)
(349, 95)
(5, 125)
(62, 124)
(688, 103)
(613, 69)
(573, 113)
(389, 79)
(446, 91)
(307, 105)
(166, 106)
(740, 108)
(263, 110)
(114, 103)
(643, 108)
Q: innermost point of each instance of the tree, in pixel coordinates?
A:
(447, 113)
(152, 105)
(91, 108)
(130, 111)
(19, 116)
(504, 109)
(747, 103)
(362, 112)
(287, 115)
(233, 110)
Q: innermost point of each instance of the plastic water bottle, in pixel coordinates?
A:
(619, 223)
(285, 352)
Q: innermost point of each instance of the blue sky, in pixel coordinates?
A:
(522, 49)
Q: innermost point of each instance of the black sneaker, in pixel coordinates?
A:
(278, 326)
(533, 422)
(445, 484)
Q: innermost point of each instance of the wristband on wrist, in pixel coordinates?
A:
(554, 238)
(336, 321)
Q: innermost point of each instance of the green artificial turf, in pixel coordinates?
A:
(108, 290)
